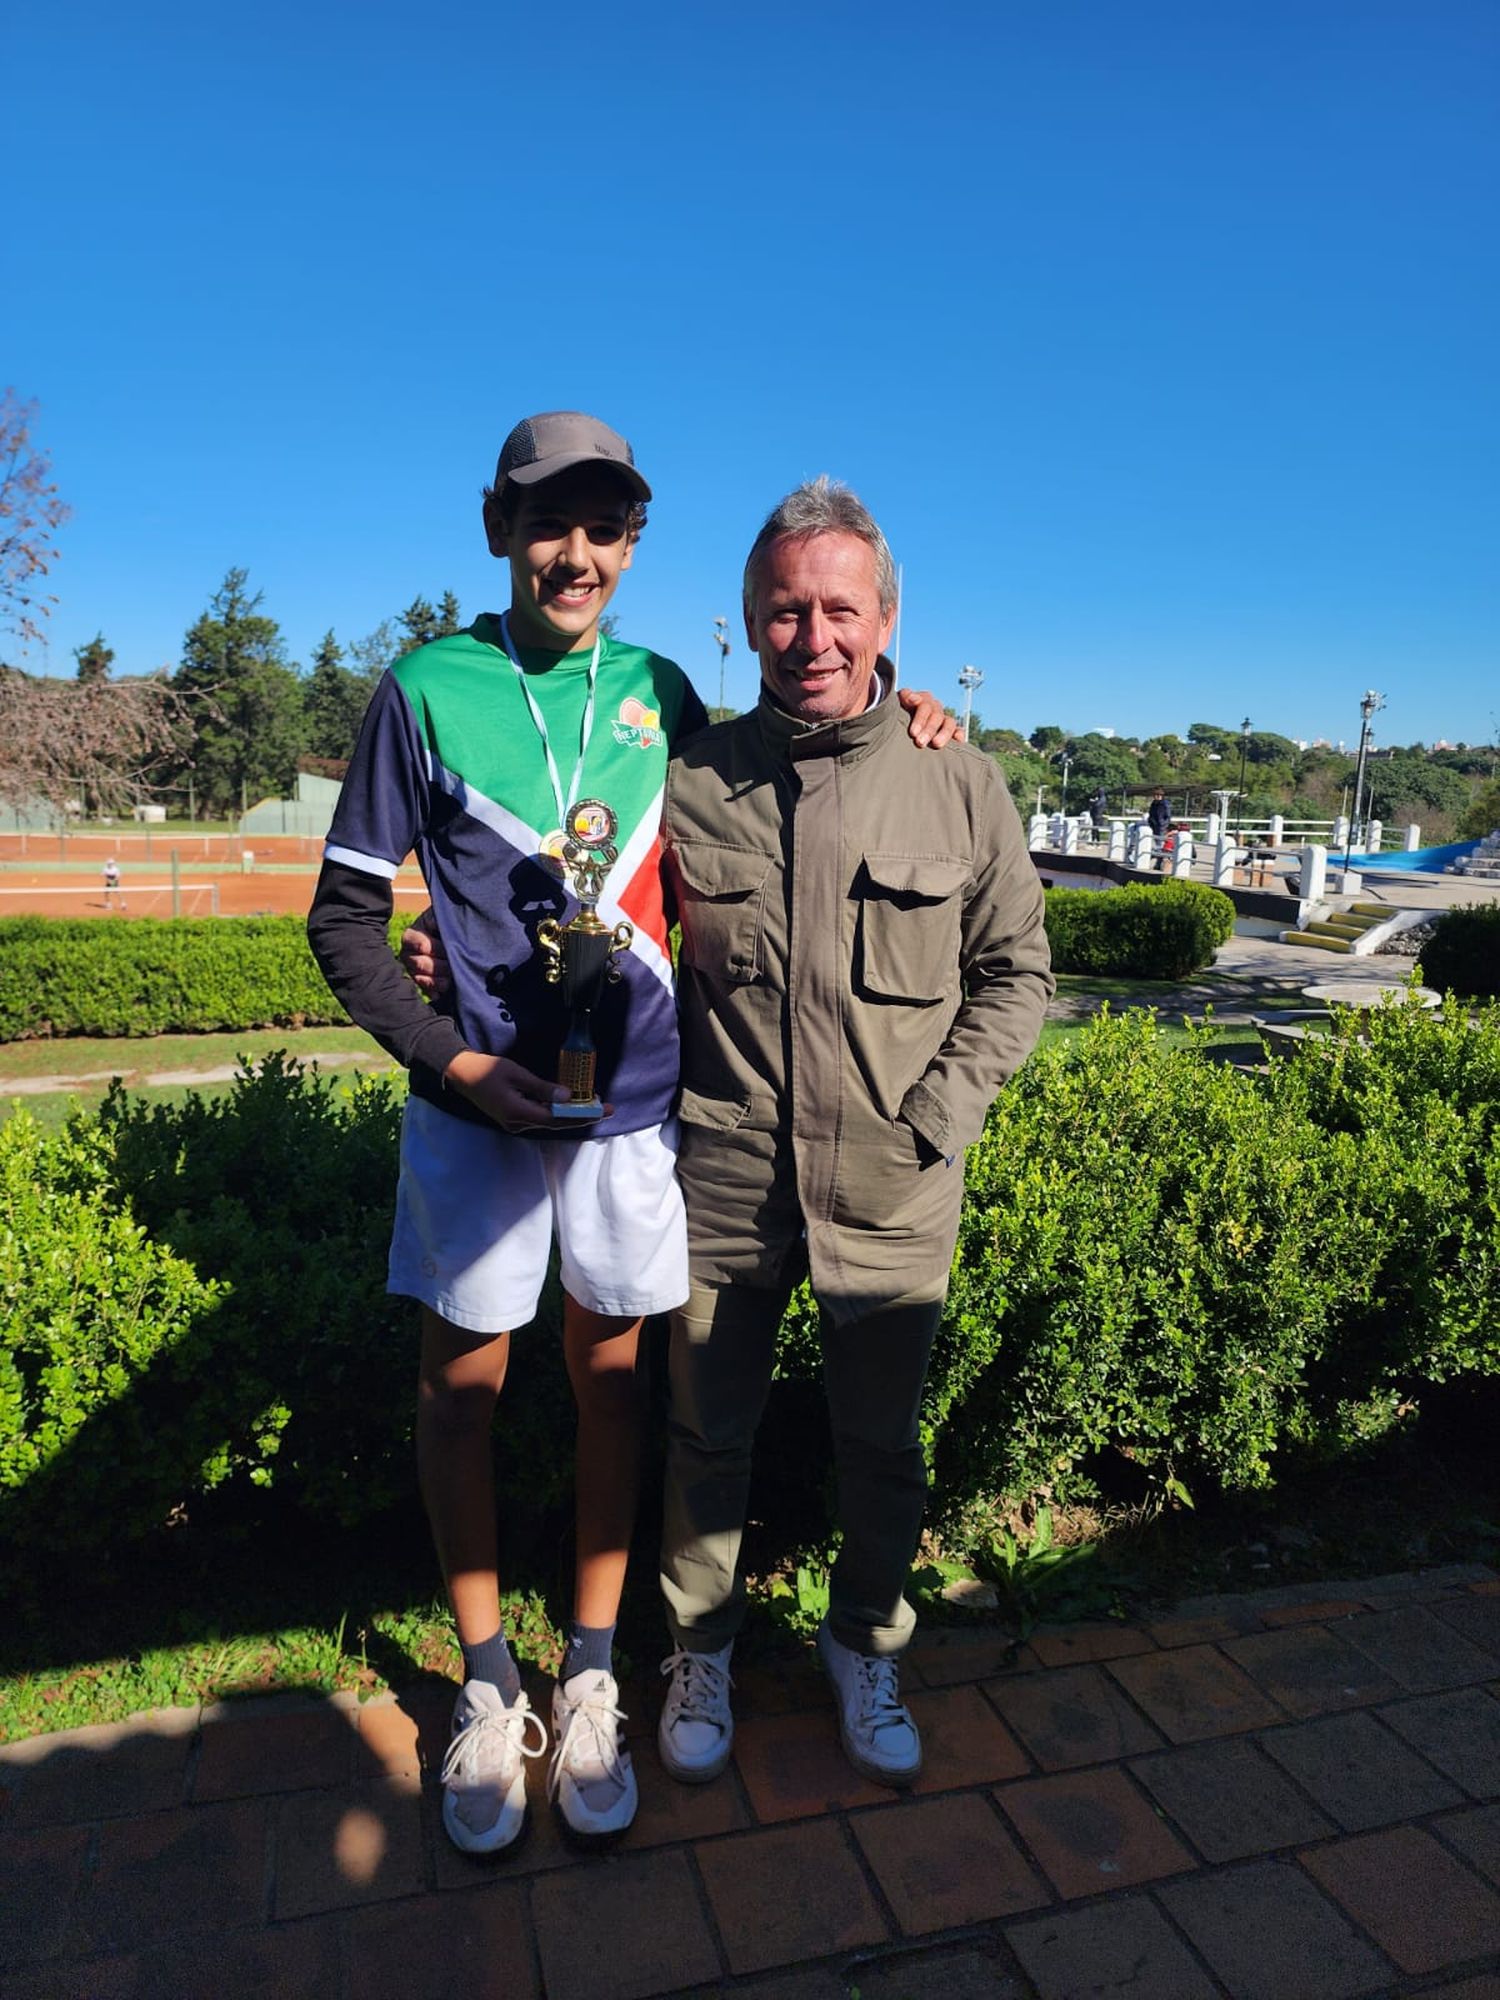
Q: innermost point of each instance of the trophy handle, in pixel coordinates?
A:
(549, 937)
(619, 941)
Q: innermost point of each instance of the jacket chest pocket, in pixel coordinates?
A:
(908, 926)
(721, 896)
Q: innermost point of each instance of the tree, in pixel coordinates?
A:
(1483, 815)
(334, 701)
(1047, 738)
(87, 745)
(421, 624)
(249, 721)
(95, 659)
(371, 655)
(1403, 787)
(30, 514)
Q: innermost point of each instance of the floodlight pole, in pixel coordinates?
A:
(721, 640)
(1239, 815)
(969, 678)
(1369, 706)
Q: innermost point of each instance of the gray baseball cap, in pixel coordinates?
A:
(541, 447)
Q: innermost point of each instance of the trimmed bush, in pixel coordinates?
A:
(1161, 1260)
(153, 976)
(1463, 954)
(1146, 930)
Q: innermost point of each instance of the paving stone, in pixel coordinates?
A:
(1123, 1947)
(1092, 1830)
(290, 1962)
(670, 1811)
(787, 1893)
(948, 1655)
(1416, 1586)
(1476, 1617)
(476, 1946)
(1310, 1670)
(808, 1982)
(1071, 1716)
(945, 1862)
(405, 1737)
(793, 1766)
(1270, 1935)
(41, 1870)
(1280, 1616)
(1204, 1630)
(1359, 1773)
(95, 1773)
(1489, 1587)
(258, 1747)
(335, 1849)
(1076, 1645)
(1483, 1986)
(1458, 1731)
(939, 1973)
(636, 1927)
(1194, 1692)
(784, 1689)
(115, 1978)
(196, 1868)
(1420, 1651)
(963, 1740)
(1423, 1908)
(1229, 1800)
(1476, 1835)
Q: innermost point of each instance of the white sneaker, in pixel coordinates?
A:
(484, 1771)
(880, 1737)
(591, 1779)
(696, 1731)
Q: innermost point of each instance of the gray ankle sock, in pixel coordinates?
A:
(590, 1650)
(491, 1661)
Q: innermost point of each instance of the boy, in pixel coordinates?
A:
(465, 755)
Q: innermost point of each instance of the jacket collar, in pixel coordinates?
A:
(791, 740)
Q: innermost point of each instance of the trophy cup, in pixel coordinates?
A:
(580, 956)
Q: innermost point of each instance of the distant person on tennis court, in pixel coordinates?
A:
(113, 893)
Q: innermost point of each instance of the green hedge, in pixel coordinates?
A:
(1463, 954)
(153, 976)
(1162, 1259)
(1145, 930)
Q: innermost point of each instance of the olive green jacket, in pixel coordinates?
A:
(863, 965)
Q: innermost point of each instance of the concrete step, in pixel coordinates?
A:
(1341, 927)
(1322, 943)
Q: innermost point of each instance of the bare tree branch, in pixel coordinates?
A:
(30, 513)
(87, 746)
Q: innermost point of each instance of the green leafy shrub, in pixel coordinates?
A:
(1463, 954)
(1146, 930)
(150, 976)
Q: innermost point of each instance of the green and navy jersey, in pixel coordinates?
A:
(449, 763)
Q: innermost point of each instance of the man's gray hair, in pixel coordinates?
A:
(823, 506)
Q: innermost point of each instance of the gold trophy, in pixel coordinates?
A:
(580, 956)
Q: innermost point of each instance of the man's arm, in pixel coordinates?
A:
(1007, 978)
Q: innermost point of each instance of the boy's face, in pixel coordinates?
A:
(568, 543)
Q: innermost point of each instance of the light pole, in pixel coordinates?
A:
(969, 678)
(1239, 810)
(1370, 704)
(1065, 758)
(721, 640)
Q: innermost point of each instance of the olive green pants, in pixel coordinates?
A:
(874, 1368)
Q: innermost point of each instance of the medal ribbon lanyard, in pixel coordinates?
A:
(563, 802)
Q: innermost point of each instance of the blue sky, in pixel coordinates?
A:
(1161, 338)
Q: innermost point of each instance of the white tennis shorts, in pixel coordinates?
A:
(477, 1208)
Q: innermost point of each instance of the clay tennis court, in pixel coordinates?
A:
(62, 875)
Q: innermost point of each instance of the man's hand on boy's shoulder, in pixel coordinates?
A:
(516, 1099)
(422, 956)
(930, 727)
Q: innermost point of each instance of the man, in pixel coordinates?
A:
(863, 965)
(1159, 819)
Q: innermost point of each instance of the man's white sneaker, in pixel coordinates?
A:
(880, 1737)
(696, 1731)
(484, 1771)
(591, 1779)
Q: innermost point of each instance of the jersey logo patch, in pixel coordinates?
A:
(638, 726)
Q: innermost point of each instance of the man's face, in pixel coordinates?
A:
(568, 543)
(817, 624)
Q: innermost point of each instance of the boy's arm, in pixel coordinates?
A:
(348, 930)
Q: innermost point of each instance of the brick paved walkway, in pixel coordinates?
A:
(1287, 1796)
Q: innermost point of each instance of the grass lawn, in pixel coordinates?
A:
(90, 1062)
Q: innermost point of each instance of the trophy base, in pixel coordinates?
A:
(579, 1107)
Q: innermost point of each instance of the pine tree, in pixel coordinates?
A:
(249, 701)
(334, 701)
(95, 659)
